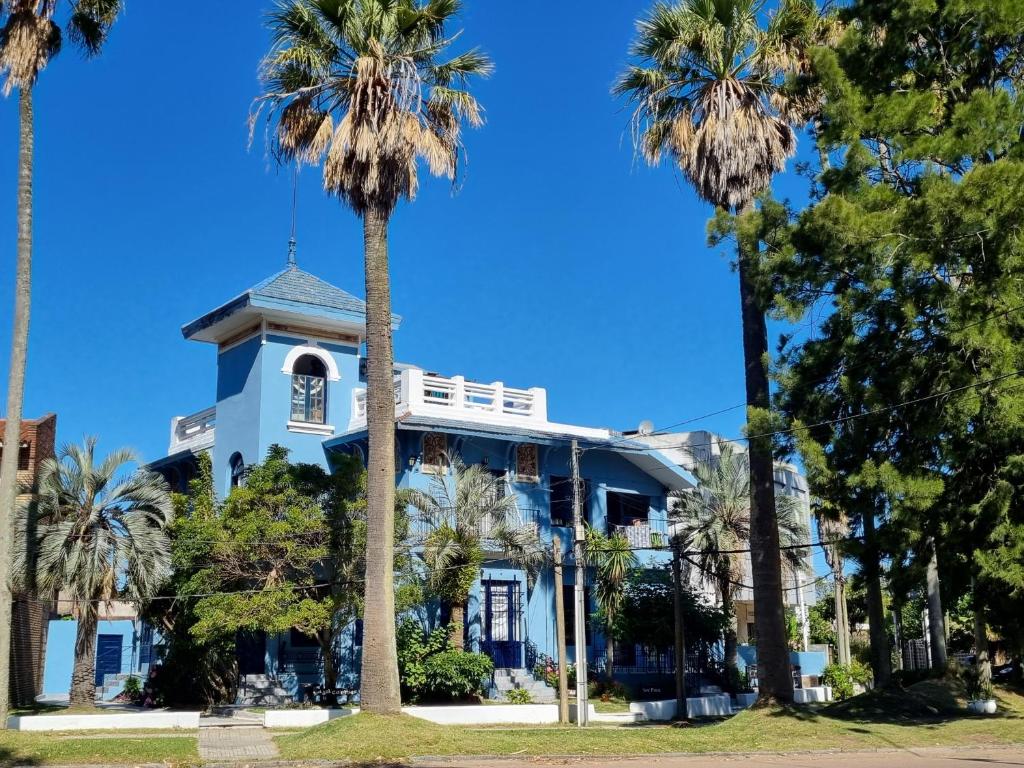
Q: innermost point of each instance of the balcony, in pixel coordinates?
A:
(641, 536)
(424, 394)
(420, 529)
(193, 433)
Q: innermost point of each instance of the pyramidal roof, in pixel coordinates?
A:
(289, 295)
(294, 284)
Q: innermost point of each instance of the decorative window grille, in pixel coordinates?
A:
(309, 390)
(434, 446)
(526, 463)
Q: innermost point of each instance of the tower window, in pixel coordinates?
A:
(237, 466)
(309, 390)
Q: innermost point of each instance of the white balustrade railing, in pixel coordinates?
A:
(193, 432)
(418, 392)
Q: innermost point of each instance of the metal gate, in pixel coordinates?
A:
(502, 639)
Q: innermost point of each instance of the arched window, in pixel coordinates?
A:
(309, 390)
(237, 467)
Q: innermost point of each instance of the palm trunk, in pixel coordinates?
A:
(379, 687)
(609, 653)
(457, 627)
(773, 666)
(881, 662)
(15, 387)
(83, 676)
(730, 651)
(842, 630)
(326, 640)
(936, 621)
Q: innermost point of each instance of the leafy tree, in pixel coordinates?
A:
(29, 38)
(364, 87)
(463, 514)
(903, 398)
(613, 560)
(101, 536)
(707, 84)
(288, 554)
(714, 520)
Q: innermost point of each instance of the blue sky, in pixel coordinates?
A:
(561, 262)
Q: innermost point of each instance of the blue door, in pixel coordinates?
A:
(108, 656)
(501, 631)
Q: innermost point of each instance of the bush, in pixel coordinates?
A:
(546, 669)
(837, 677)
(415, 647)
(976, 688)
(518, 696)
(861, 673)
(132, 690)
(605, 691)
(454, 674)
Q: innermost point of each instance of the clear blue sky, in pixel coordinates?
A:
(561, 262)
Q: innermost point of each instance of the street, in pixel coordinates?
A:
(916, 758)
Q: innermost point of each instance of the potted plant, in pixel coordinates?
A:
(981, 699)
(746, 696)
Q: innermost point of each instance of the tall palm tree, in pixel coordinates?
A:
(29, 38)
(101, 536)
(706, 83)
(613, 560)
(366, 87)
(714, 521)
(462, 515)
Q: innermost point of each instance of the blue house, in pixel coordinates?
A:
(289, 372)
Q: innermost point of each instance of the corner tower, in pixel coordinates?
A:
(287, 361)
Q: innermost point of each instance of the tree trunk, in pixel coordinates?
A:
(936, 620)
(731, 653)
(83, 676)
(982, 662)
(563, 675)
(379, 687)
(326, 640)
(773, 668)
(881, 662)
(679, 644)
(15, 388)
(842, 630)
(457, 626)
(609, 653)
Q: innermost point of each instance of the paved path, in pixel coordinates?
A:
(915, 758)
(227, 745)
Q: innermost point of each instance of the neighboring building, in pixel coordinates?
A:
(29, 615)
(687, 449)
(290, 372)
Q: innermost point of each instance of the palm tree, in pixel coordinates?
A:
(714, 521)
(363, 86)
(463, 515)
(29, 38)
(613, 560)
(706, 83)
(832, 529)
(101, 536)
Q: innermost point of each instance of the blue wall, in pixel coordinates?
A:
(60, 652)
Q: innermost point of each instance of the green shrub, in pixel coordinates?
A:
(454, 674)
(518, 696)
(415, 647)
(132, 688)
(860, 673)
(837, 677)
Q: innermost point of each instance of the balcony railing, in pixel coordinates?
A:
(193, 432)
(420, 393)
(641, 535)
(420, 529)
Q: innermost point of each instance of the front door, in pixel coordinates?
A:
(108, 656)
(251, 648)
(501, 630)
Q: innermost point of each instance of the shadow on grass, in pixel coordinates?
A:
(10, 758)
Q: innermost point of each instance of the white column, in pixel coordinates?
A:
(412, 388)
(499, 397)
(460, 392)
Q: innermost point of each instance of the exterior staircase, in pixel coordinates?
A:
(261, 691)
(112, 685)
(507, 679)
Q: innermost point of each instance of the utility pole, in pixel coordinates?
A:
(580, 623)
(680, 638)
(563, 672)
(801, 607)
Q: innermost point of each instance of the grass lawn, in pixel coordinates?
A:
(35, 748)
(361, 738)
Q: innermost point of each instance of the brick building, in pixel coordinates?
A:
(30, 615)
